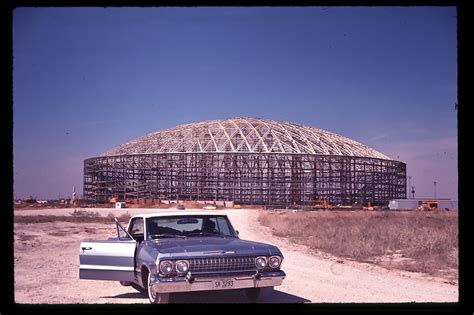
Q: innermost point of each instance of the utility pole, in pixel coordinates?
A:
(73, 201)
(409, 185)
(434, 183)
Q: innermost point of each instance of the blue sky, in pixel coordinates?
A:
(89, 79)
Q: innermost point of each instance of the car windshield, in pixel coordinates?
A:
(188, 226)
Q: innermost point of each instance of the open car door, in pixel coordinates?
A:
(113, 259)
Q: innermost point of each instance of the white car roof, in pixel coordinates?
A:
(177, 213)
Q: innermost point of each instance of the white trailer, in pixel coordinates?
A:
(120, 205)
(413, 204)
(403, 204)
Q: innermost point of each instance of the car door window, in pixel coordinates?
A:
(122, 233)
(136, 229)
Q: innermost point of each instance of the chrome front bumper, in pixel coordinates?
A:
(170, 285)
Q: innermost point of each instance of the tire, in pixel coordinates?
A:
(138, 288)
(155, 297)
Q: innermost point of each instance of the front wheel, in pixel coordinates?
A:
(138, 288)
(155, 297)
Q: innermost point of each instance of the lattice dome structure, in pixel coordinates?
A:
(245, 160)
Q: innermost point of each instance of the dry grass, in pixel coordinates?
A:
(414, 241)
(192, 205)
(82, 218)
(84, 213)
(153, 205)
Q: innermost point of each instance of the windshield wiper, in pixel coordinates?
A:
(167, 235)
(207, 233)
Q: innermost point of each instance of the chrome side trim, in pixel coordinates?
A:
(99, 267)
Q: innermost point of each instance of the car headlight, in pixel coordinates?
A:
(166, 267)
(261, 262)
(182, 266)
(274, 262)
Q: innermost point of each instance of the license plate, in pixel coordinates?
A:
(223, 283)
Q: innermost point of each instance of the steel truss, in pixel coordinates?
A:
(246, 178)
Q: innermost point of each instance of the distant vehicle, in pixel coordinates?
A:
(357, 206)
(164, 253)
(180, 207)
(209, 207)
(120, 205)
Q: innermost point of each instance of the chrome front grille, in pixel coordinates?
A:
(221, 264)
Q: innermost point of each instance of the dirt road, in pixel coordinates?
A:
(47, 259)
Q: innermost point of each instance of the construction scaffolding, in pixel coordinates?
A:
(245, 178)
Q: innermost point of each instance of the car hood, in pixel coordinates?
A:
(212, 246)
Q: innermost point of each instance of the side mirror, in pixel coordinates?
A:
(237, 232)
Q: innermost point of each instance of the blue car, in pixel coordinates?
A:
(170, 252)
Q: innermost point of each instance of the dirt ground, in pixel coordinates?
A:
(46, 262)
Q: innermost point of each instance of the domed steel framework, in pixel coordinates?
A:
(245, 160)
